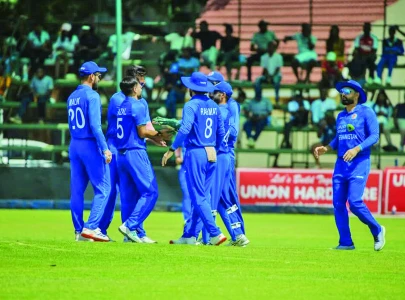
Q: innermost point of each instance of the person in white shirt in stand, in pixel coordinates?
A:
(271, 62)
(320, 106)
(63, 48)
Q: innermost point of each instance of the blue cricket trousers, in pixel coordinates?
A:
(349, 180)
(87, 163)
(186, 201)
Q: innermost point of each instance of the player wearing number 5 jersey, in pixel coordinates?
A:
(88, 153)
(138, 184)
(202, 131)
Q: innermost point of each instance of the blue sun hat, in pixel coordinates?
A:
(215, 77)
(355, 86)
(224, 87)
(198, 82)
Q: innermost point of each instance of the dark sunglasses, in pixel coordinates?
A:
(346, 91)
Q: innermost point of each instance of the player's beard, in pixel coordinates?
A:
(346, 101)
(95, 86)
(217, 98)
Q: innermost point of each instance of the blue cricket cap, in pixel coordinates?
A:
(198, 82)
(90, 67)
(215, 77)
(224, 87)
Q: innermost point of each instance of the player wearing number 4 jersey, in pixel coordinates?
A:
(89, 154)
(202, 131)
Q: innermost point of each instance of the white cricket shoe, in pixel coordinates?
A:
(379, 240)
(147, 240)
(241, 241)
(96, 235)
(184, 241)
(218, 240)
(79, 238)
(131, 235)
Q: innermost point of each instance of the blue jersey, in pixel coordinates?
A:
(130, 114)
(201, 125)
(234, 109)
(356, 128)
(84, 115)
(226, 117)
(115, 101)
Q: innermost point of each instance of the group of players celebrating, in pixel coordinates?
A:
(207, 135)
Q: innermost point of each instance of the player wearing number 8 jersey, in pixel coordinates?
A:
(88, 153)
(202, 131)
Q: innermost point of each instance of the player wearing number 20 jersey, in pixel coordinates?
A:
(86, 150)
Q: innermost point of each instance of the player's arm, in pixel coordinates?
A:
(95, 125)
(372, 128)
(234, 120)
(220, 131)
(186, 126)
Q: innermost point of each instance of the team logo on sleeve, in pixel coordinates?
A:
(354, 116)
(350, 127)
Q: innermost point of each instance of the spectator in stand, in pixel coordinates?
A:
(336, 44)
(399, 121)
(299, 111)
(41, 89)
(64, 48)
(229, 52)
(384, 111)
(5, 82)
(320, 106)
(258, 112)
(187, 63)
(331, 70)
(366, 45)
(306, 57)
(38, 46)
(392, 47)
(326, 132)
(175, 88)
(89, 46)
(242, 117)
(259, 44)
(271, 62)
(357, 68)
(208, 40)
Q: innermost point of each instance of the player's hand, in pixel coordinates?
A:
(319, 151)
(157, 142)
(166, 134)
(350, 154)
(108, 156)
(179, 160)
(166, 157)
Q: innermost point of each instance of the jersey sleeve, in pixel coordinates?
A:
(186, 125)
(95, 120)
(139, 114)
(372, 129)
(234, 120)
(220, 131)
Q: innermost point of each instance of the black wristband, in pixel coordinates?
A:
(171, 149)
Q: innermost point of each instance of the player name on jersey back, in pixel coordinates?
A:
(208, 111)
(74, 101)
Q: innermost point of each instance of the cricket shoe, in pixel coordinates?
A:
(379, 240)
(96, 235)
(147, 240)
(241, 241)
(131, 235)
(341, 247)
(184, 241)
(79, 238)
(218, 240)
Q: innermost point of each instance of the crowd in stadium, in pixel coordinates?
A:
(26, 56)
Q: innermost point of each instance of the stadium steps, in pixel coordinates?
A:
(325, 13)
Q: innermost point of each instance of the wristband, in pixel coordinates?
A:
(171, 149)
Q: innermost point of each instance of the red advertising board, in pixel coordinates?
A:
(394, 190)
(299, 187)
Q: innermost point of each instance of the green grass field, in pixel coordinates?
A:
(289, 258)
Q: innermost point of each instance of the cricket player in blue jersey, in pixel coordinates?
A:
(116, 100)
(88, 153)
(357, 131)
(202, 131)
(231, 212)
(137, 179)
(180, 153)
